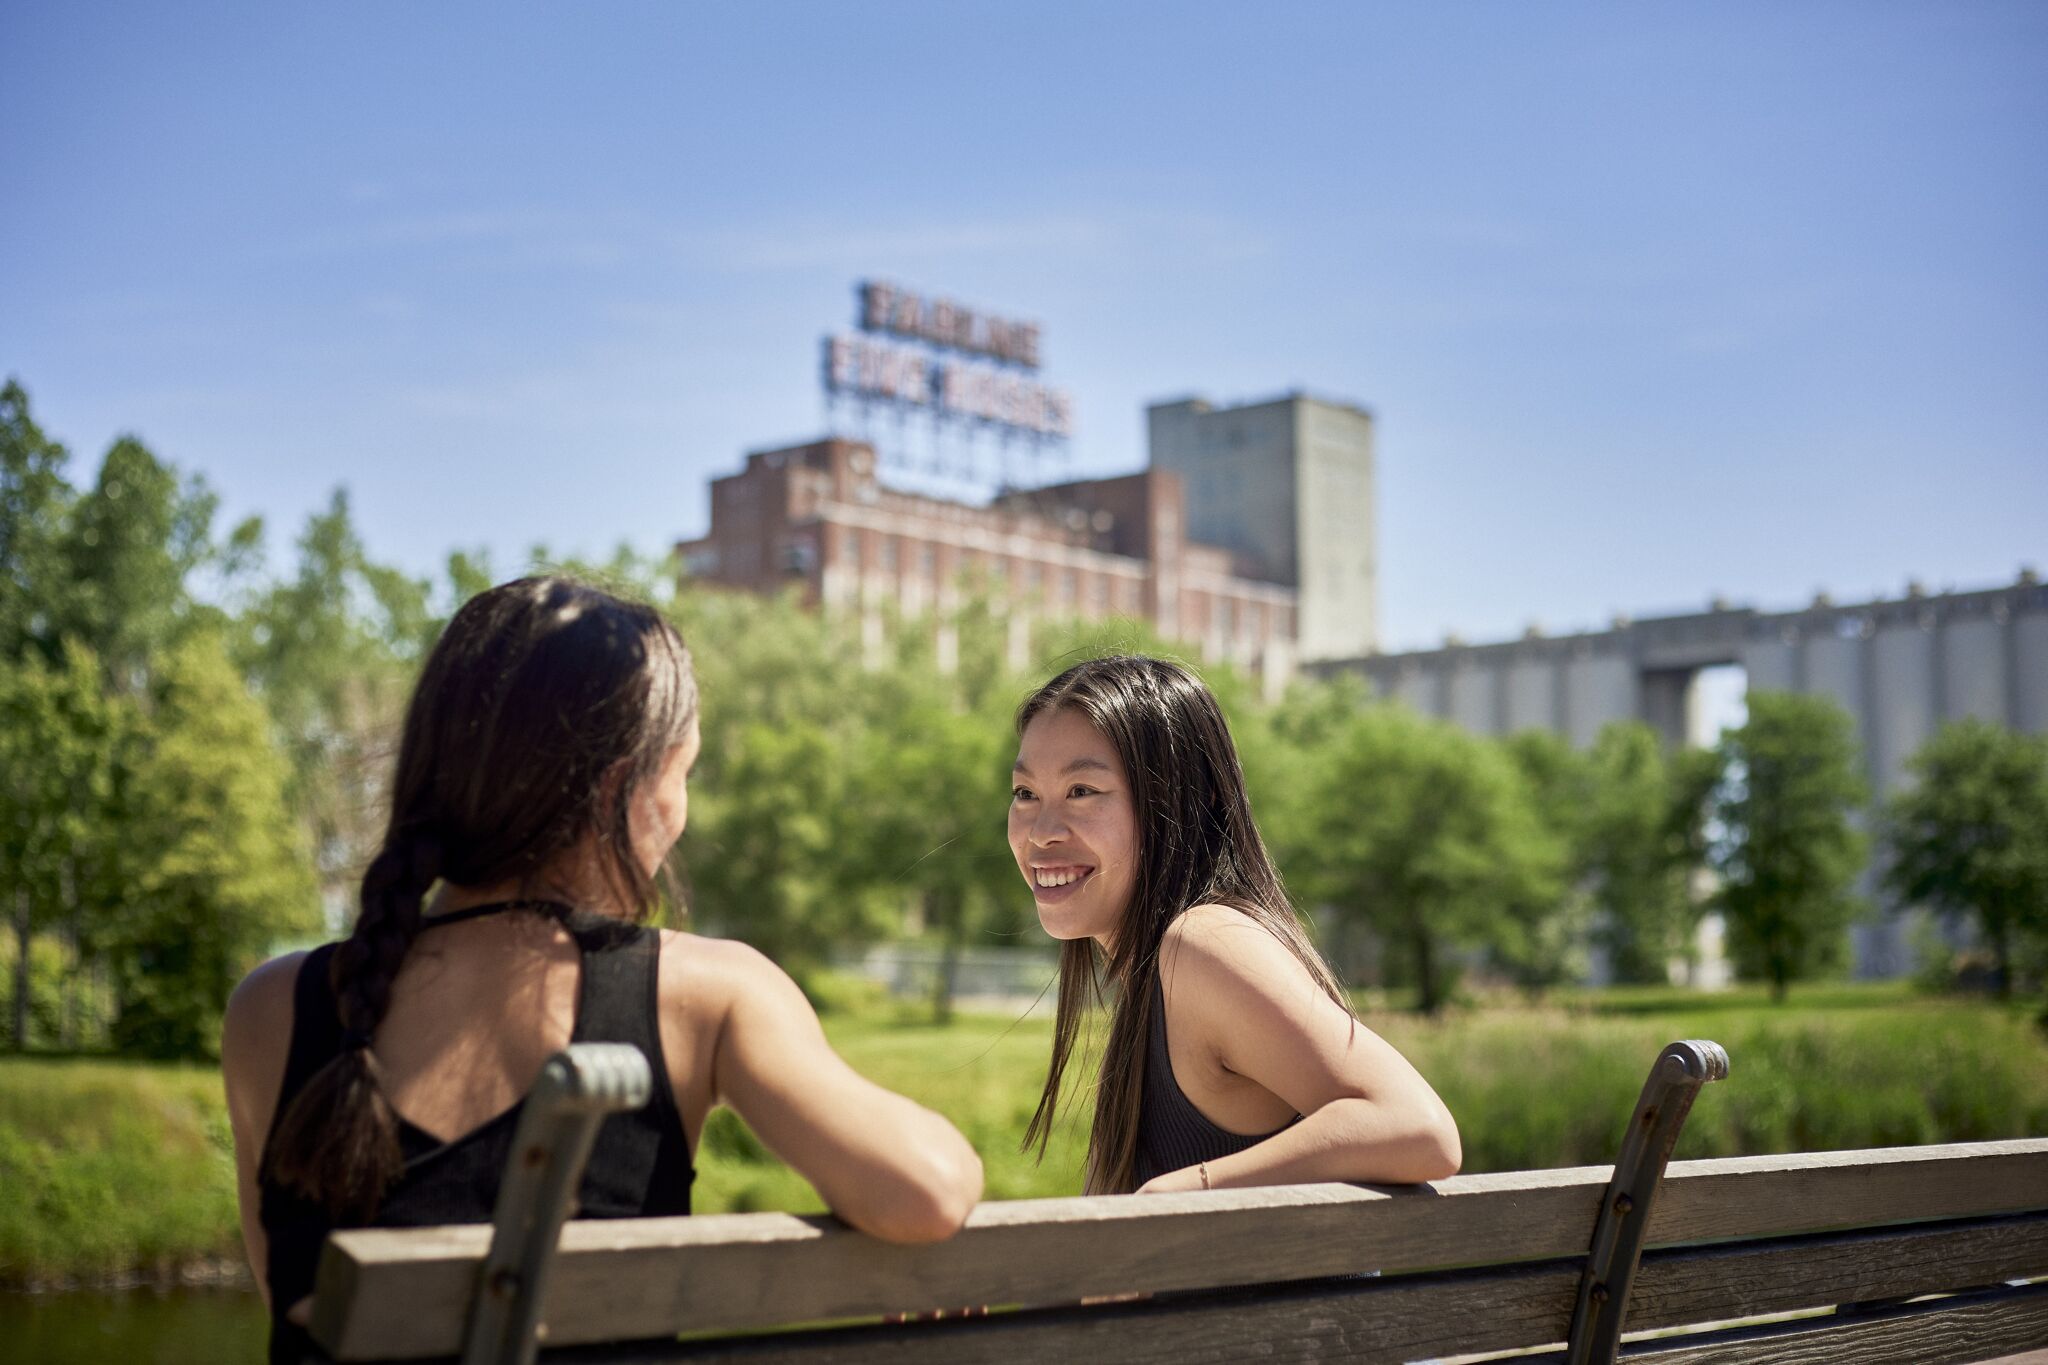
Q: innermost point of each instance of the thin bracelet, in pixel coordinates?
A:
(1205, 1175)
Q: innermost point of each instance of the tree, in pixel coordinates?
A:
(1542, 940)
(773, 851)
(1792, 851)
(132, 544)
(1970, 837)
(1639, 847)
(1428, 835)
(58, 734)
(333, 651)
(35, 509)
(212, 864)
(930, 776)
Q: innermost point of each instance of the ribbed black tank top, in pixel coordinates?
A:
(639, 1167)
(1172, 1133)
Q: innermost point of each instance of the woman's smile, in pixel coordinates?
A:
(1057, 881)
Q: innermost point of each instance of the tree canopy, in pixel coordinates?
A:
(1969, 838)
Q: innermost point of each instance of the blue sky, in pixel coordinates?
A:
(1651, 302)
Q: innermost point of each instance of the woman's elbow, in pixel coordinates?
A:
(1416, 1142)
(930, 1201)
(1443, 1150)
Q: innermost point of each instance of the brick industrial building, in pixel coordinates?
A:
(818, 517)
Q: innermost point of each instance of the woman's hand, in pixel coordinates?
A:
(1186, 1178)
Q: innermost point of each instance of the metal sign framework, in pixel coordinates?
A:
(945, 392)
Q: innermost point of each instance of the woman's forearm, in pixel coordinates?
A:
(1350, 1139)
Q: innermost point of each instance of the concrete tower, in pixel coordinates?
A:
(1287, 486)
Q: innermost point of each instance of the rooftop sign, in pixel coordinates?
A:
(936, 372)
(942, 322)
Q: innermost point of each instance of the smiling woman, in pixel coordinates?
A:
(1233, 1058)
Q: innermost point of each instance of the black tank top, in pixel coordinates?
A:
(639, 1167)
(1172, 1133)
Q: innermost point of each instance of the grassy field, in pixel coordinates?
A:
(111, 1167)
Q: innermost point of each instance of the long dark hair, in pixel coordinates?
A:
(1197, 845)
(543, 706)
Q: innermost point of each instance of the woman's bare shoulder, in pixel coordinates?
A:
(1220, 938)
(263, 1001)
(699, 972)
(256, 1031)
(1228, 959)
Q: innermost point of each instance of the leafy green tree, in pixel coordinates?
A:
(1792, 851)
(771, 854)
(58, 734)
(1970, 836)
(1639, 848)
(1542, 940)
(333, 651)
(1429, 836)
(35, 509)
(133, 543)
(1284, 749)
(929, 787)
(212, 862)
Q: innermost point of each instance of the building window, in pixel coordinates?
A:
(1068, 586)
(889, 553)
(928, 559)
(1035, 577)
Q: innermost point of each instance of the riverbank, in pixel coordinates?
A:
(120, 1172)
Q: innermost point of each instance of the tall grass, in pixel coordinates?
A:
(112, 1167)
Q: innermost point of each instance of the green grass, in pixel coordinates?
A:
(110, 1167)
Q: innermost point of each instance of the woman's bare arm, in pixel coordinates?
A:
(1254, 1010)
(255, 1037)
(882, 1162)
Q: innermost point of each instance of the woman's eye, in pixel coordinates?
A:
(1020, 793)
(1078, 790)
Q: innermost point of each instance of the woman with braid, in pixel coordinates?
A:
(542, 780)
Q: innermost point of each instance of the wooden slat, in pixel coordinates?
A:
(1937, 1332)
(1782, 1196)
(1716, 1284)
(655, 1277)
(1465, 1312)
(1368, 1322)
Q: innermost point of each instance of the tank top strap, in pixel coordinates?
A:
(646, 1158)
(557, 910)
(620, 965)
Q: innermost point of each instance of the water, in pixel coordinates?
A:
(142, 1326)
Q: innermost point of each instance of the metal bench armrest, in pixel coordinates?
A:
(1675, 1081)
(578, 1088)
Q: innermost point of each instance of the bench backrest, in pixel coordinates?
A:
(1466, 1265)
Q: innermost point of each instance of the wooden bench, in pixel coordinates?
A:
(1902, 1254)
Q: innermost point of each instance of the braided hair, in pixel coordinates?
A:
(543, 706)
